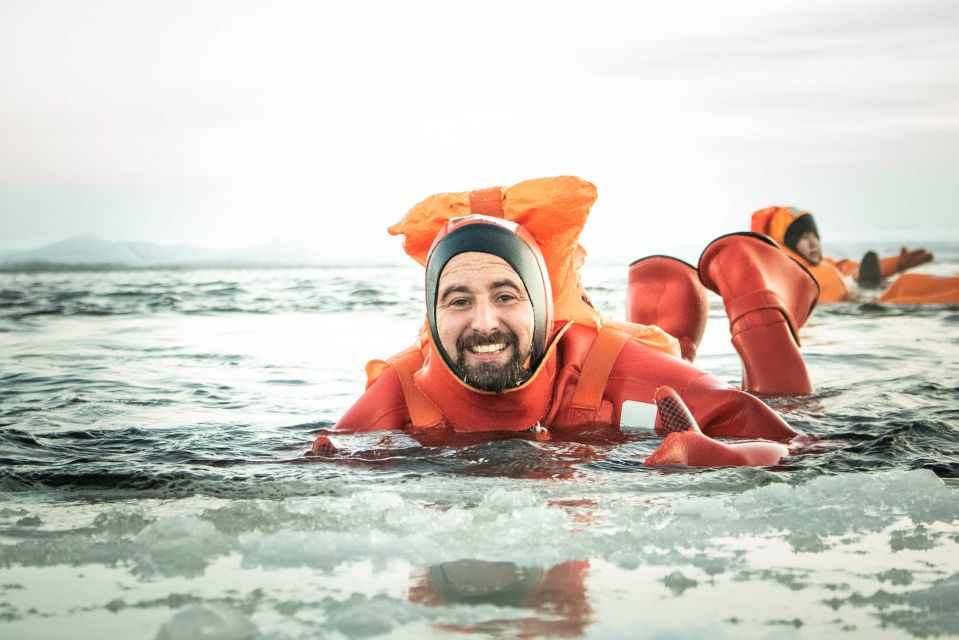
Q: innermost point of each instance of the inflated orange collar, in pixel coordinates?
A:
(468, 409)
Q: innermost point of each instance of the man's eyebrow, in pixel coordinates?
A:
(506, 283)
(450, 290)
(462, 288)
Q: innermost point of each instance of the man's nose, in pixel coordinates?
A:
(485, 317)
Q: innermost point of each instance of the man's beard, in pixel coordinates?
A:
(491, 376)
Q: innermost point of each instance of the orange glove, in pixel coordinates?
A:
(905, 260)
(909, 259)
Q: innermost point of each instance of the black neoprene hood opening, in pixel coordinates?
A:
(799, 226)
(497, 241)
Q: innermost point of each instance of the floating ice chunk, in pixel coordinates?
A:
(625, 559)
(118, 522)
(378, 501)
(207, 622)
(677, 582)
(806, 541)
(178, 546)
(503, 525)
(902, 577)
(362, 617)
(813, 516)
(846, 502)
(942, 596)
(318, 549)
(918, 539)
(706, 508)
(500, 500)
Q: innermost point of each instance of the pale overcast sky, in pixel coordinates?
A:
(225, 123)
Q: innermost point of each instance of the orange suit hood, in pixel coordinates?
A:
(784, 225)
(552, 210)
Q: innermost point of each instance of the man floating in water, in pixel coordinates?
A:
(512, 345)
(796, 231)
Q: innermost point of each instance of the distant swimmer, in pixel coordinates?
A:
(512, 344)
(796, 231)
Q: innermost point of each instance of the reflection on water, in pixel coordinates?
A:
(556, 598)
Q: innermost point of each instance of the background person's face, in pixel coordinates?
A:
(484, 319)
(809, 248)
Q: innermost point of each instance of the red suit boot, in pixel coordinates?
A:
(666, 292)
(685, 445)
(768, 297)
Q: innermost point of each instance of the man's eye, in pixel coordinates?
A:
(459, 302)
(505, 298)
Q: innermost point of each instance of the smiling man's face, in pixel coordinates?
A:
(484, 319)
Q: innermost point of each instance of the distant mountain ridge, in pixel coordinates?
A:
(90, 250)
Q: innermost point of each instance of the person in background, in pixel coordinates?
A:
(795, 230)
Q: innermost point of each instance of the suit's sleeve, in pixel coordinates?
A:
(383, 406)
(719, 410)
(725, 412)
(907, 259)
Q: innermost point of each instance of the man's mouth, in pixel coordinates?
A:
(488, 348)
(491, 362)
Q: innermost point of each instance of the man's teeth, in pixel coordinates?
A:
(487, 348)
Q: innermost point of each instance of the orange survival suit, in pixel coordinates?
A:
(587, 371)
(782, 223)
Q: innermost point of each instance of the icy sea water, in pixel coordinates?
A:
(153, 426)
